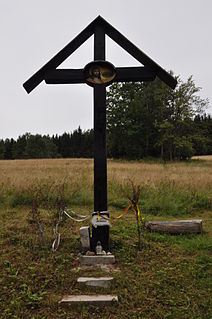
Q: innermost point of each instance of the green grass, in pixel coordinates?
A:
(163, 200)
(171, 277)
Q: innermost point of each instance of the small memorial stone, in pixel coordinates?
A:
(85, 238)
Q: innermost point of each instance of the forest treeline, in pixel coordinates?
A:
(143, 120)
(80, 144)
(75, 144)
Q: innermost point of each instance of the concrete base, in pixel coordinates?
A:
(104, 282)
(97, 300)
(97, 260)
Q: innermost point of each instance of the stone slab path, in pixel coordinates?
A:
(104, 282)
(98, 300)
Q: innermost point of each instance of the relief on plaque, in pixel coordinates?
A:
(99, 72)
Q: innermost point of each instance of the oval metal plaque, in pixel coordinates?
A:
(99, 72)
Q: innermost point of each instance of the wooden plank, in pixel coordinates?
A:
(133, 74)
(99, 43)
(176, 227)
(124, 74)
(61, 56)
(65, 76)
(100, 156)
(139, 55)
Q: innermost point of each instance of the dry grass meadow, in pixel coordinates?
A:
(21, 175)
(172, 188)
(171, 277)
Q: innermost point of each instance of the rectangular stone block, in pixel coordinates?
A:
(97, 260)
(97, 300)
(104, 282)
(85, 238)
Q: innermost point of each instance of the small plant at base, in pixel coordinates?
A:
(134, 198)
(60, 208)
(34, 213)
(60, 204)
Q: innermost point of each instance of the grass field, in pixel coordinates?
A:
(171, 277)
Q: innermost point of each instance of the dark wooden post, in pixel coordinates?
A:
(100, 153)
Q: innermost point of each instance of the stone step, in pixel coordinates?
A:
(97, 260)
(104, 282)
(98, 300)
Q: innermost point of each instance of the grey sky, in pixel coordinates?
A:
(176, 34)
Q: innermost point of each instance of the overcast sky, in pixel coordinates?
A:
(176, 34)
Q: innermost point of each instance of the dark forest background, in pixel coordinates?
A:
(143, 120)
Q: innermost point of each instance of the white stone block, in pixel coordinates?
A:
(85, 238)
(104, 282)
(98, 300)
(97, 260)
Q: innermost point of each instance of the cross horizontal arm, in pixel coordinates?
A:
(71, 76)
(134, 74)
(65, 76)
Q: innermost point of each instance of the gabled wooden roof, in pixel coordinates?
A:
(115, 35)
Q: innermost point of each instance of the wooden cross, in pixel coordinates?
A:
(99, 74)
